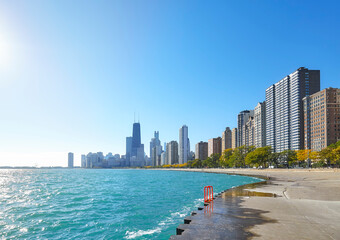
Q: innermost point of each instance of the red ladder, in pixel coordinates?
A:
(208, 193)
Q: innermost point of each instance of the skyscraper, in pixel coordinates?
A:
(260, 125)
(70, 160)
(242, 119)
(184, 148)
(284, 109)
(226, 139)
(136, 138)
(137, 155)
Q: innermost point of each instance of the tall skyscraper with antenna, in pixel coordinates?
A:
(136, 138)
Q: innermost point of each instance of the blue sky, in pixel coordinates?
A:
(72, 73)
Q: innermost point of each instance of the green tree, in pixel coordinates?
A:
(273, 159)
(213, 161)
(239, 155)
(287, 158)
(225, 160)
(327, 155)
(258, 157)
(336, 152)
(197, 163)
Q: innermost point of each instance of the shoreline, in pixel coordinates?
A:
(290, 204)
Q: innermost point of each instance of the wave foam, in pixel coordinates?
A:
(139, 233)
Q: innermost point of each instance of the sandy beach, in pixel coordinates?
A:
(306, 206)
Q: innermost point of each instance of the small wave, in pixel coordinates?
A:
(139, 233)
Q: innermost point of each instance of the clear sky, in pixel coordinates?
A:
(72, 73)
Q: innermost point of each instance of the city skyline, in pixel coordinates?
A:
(72, 84)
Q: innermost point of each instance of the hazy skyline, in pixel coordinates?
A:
(72, 73)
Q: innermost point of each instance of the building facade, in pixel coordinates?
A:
(226, 139)
(260, 125)
(214, 146)
(284, 109)
(242, 119)
(184, 145)
(322, 119)
(234, 138)
(249, 132)
(201, 150)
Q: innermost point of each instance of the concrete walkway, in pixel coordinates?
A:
(306, 206)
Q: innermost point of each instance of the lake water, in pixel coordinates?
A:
(101, 203)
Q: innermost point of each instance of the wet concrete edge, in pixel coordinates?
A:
(267, 180)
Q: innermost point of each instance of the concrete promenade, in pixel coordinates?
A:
(306, 206)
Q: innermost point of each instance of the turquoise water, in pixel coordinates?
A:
(101, 204)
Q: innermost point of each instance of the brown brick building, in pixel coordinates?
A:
(214, 146)
(322, 119)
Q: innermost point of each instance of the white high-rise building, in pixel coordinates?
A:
(284, 109)
(184, 145)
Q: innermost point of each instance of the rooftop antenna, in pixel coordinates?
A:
(138, 117)
(134, 117)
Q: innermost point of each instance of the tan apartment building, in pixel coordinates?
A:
(226, 139)
(322, 119)
(234, 138)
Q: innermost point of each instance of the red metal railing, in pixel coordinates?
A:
(208, 193)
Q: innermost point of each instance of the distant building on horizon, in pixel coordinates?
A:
(70, 160)
(163, 158)
(284, 109)
(155, 149)
(322, 119)
(214, 146)
(201, 150)
(128, 149)
(184, 145)
(234, 136)
(136, 157)
(226, 139)
(136, 138)
(83, 161)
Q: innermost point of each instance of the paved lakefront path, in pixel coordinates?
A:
(292, 204)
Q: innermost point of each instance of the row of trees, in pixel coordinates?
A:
(264, 157)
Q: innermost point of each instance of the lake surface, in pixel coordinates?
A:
(101, 203)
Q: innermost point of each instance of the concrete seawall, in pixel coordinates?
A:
(292, 204)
